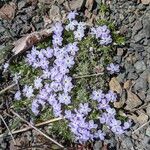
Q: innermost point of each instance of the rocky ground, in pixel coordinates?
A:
(132, 19)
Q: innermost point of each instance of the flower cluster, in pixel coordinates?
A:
(88, 130)
(102, 33)
(53, 86)
(55, 64)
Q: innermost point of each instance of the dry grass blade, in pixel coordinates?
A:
(87, 76)
(39, 131)
(8, 129)
(36, 125)
(7, 88)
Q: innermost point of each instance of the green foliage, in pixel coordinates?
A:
(61, 130)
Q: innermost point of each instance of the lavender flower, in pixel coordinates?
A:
(38, 83)
(28, 91)
(79, 34)
(71, 26)
(57, 40)
(35, 107)
(113, 68)
(84, 108)
(64, 98)
(100, 135)
(72, 48)
(18, 95)
(111, 96)
(57, 28)
(97, 95)
(72, 15)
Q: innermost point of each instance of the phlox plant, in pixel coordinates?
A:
(47, 79)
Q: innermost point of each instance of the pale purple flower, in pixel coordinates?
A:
(106, 41)
(99, 134)
(111, 96)
(46, 74)
(48, 52)
(111, 111)
(57, 109)
(67, 84)
(44, 63)
(72, 48)
(57, 28)
(41, 54)
(17, 95)
(68, 114)
(35, 107)
(81, 26)
(72, 15)
(41, 102)
(63, 69)
(117, 130)
(64, 98)
(28, 91)
(113, 68)
(127, 125)
(79, 34)
(38, 83)
(92, 125)
(97, 95)
(43, 94)
(56, 86)
(48, 88)
(57, 40)
(30, 59)
(54, 71)
(103, 104)
(52, 99)
(6, 65)
(71, 26)
(69, 61)
(84, 108)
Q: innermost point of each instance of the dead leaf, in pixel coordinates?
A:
(133, 101)
(127, 84)
(118, 104)
(29, 40)
(7, 12)
(114, 85)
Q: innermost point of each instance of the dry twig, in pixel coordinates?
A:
(39, 131)
(8, 129)
(36, 125)
(142, 126)
(7, 88)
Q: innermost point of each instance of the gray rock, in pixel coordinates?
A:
(146, 23)
(77, 4)
(140, 36)
(140, 66)
(132, 76)
(55, 13)
(138, 26)
(97, 145)
(140, 84)
(148, 110)
(21, 4)
(60, 1)
(137, 47)
(127, 143)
